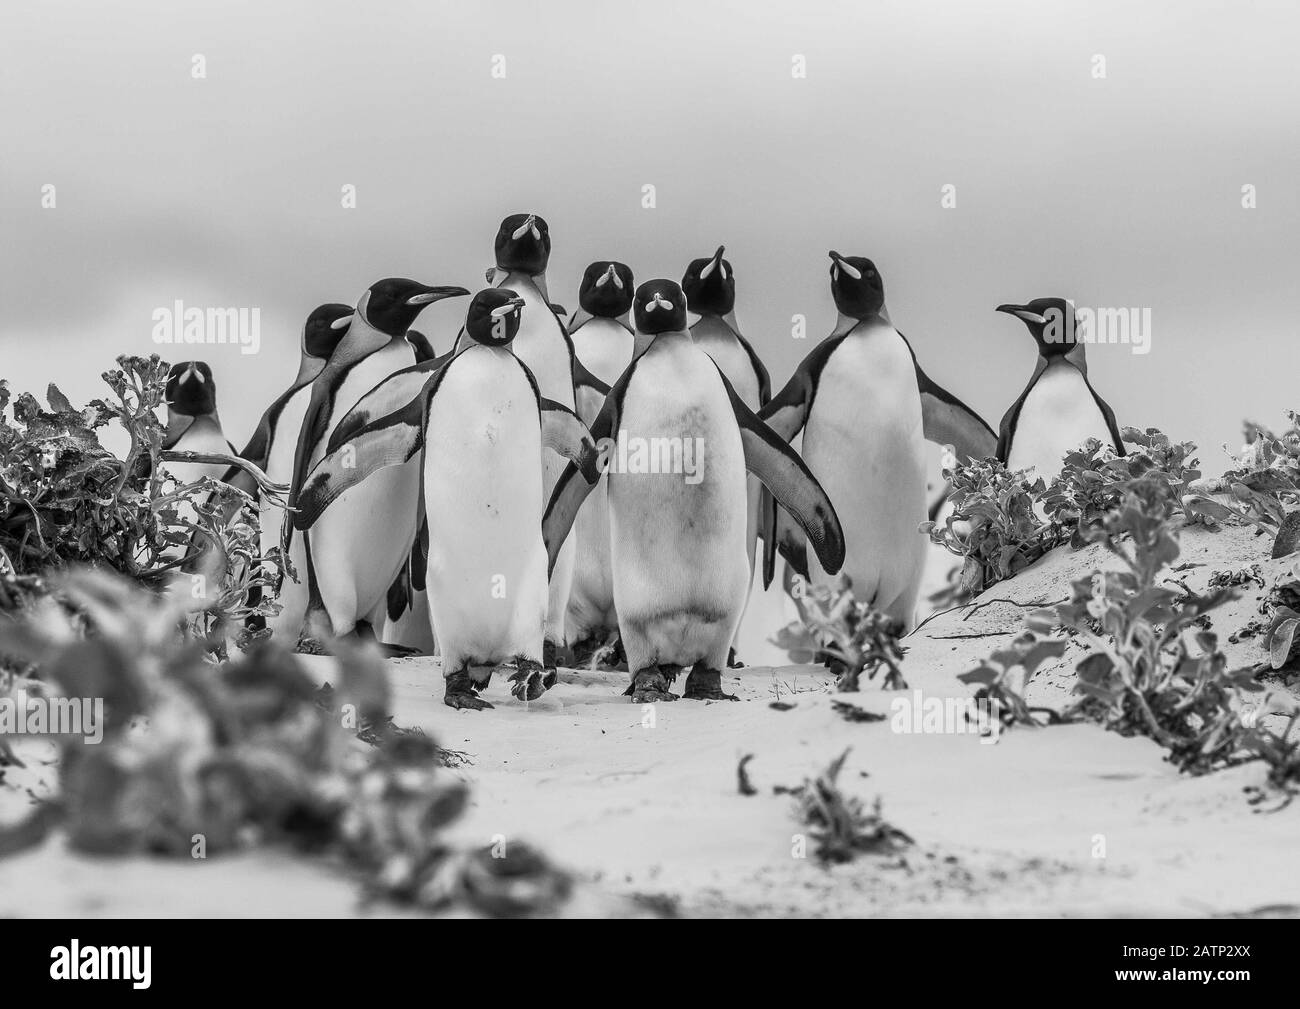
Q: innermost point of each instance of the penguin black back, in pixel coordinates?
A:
(710, 285)
(606, 289)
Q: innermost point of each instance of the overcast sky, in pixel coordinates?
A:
(225, 191)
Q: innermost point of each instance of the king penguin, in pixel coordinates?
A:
(677, 531)
(866, 408)
(602, 346)
(1059, 409)
(523, 251)
(274, 442)
(353, 556)
(477, 424)
(193, 424)
(710, 287)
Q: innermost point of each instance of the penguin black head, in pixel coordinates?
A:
(606, 290)
(856, 286)
(710, 285)
(1050, 321)
(190, 390)
(493, 316)
(324, 328)
(523, 244)
(659, 307)
(391, 305)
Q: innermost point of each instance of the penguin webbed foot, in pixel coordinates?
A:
(651, 685)
(732, 661)
(705, 684)
(531, 679)
(461, 692)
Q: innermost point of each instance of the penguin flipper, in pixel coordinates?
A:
(582, 378)
(1007, 428)
(564, 432)
(760, 371)
(420, 557)
(576, 483)
(948, 421)
(400, 593)
(391, 394)
(1109, 415)
(775, 463)
(787, 411)
(389, 441)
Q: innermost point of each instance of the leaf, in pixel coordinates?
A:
(1288, 536)
(59, 403)
(1281, 641)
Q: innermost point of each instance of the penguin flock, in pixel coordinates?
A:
(483, 503)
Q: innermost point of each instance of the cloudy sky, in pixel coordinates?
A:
(1122, 190)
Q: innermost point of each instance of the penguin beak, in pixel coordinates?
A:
(513, 305)
(1023, 313)
(432, 294)
(848, 268)
(193, 372)
(608, 275)
(530, 224)
(715, 264)
(658, 302)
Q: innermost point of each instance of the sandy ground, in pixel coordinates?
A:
(644, 803)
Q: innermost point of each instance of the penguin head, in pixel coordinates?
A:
(1050, 321)
(606, 290)
(856, 286)
(659, 307)
(523, 244)
(391, 305)
(324, 328)
(190, 390)
(493, 316)
(710, 285)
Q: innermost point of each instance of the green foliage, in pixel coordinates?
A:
(1152, 669)
(243, 753)
(840, 825)
(1004, 675)
(853, 637)
(993, 524)
(1281, 637)
(65, 499)
(1094, 482)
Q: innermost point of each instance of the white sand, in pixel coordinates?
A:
(1010, 828)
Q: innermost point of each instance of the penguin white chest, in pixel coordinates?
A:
(604, 347)
(677, 493)
(483, 495)
(1058, 415)
(864, 444)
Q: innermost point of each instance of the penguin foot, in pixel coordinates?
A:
(649, 686)
(530, 680)
(398, 651)
(462, 692)
(705, 684)
(732, 661)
